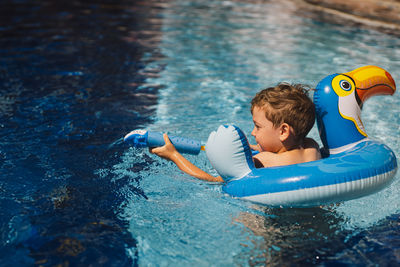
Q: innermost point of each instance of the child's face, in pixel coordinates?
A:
(267, 136)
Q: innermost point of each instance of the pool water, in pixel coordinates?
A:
(77, 76)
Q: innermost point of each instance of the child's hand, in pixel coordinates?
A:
(166, 151)
(256, 147)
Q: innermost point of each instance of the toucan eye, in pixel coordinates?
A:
(345, 85)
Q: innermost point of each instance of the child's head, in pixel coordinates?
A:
(288, 104)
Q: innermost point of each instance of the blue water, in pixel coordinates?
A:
(75, 77)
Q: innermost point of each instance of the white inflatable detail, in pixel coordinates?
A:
(228, 153)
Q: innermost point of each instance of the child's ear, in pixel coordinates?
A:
(284, 131)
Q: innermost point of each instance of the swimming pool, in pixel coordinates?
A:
(75, 83)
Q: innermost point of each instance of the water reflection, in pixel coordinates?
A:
(299, 236)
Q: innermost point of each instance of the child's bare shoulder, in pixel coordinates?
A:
(269, 159)
(309, 152)
(265, 159)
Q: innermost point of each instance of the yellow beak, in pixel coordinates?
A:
(372, 80)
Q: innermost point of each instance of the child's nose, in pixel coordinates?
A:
(253, 133)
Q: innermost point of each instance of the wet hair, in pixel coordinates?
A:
(286, 103)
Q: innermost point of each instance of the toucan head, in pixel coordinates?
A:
(339, 99)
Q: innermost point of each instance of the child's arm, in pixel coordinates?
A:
(169, 152)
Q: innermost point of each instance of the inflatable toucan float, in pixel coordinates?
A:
(352, 165)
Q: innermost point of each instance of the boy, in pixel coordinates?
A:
(282, 115)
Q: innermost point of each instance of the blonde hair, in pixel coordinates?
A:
(286, 103)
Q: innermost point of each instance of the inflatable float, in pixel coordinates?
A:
(352, 165)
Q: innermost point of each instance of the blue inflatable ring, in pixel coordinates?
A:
(364, 169)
